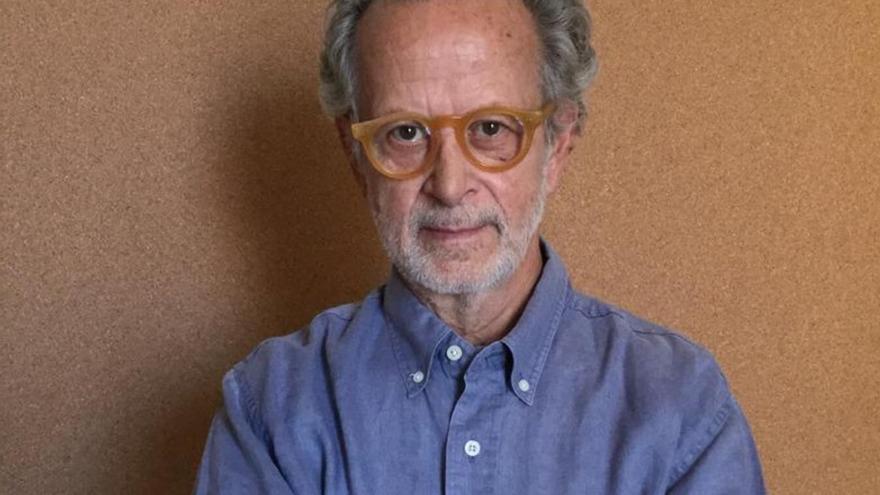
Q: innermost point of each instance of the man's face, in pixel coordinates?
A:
(455, 229)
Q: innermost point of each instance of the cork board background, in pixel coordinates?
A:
(170, 196)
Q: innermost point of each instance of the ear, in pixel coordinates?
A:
(565, 119)
(343, 130)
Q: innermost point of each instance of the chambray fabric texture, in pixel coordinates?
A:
(382, 397)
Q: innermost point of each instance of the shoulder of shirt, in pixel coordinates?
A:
(663, 369)
(326, 325)
(663, 346)
(590, 307)
(299, 358)
(678, 381)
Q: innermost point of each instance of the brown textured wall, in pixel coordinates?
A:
(170, 196)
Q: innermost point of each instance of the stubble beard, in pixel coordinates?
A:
(422, 267)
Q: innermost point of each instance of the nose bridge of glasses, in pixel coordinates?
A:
(441, 121)
(438, 123)
(456, 124)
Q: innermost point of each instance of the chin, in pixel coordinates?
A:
(459, 275)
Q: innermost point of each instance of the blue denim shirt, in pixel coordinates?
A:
(384, 398)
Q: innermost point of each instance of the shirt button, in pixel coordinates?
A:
(453, 353)
(472, 448)
(524, 385)
(418, 377)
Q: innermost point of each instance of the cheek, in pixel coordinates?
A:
(394, 200)
(516, 193)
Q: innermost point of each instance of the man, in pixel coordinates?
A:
(477, 368)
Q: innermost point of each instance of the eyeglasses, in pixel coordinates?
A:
(404, 145)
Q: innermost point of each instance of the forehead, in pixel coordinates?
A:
(455, 54)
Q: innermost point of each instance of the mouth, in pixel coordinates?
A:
(449, 234)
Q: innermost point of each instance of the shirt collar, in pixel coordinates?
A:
(530, 339)
(416, 332)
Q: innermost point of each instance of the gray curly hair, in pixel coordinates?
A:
(563, 26)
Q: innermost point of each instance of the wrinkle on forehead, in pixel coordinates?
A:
(442, 48)
(469, 56)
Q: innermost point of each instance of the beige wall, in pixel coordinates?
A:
(170, 196)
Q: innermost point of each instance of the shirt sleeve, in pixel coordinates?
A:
(237, 457)
(726, 462)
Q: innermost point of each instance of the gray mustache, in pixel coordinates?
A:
(435, 218)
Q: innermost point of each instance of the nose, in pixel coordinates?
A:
(451, 178)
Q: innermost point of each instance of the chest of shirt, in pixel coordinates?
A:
(466, 432)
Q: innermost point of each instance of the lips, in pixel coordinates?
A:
(449, 233)
(453, 230)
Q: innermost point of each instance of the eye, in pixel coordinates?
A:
(494, 138)
(489, 127)
(494, 127)
(408, 133)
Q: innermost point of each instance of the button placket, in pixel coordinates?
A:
(474, 428)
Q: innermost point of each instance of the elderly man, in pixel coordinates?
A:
(476, 368)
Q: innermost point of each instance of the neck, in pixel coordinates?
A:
(484, 317)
